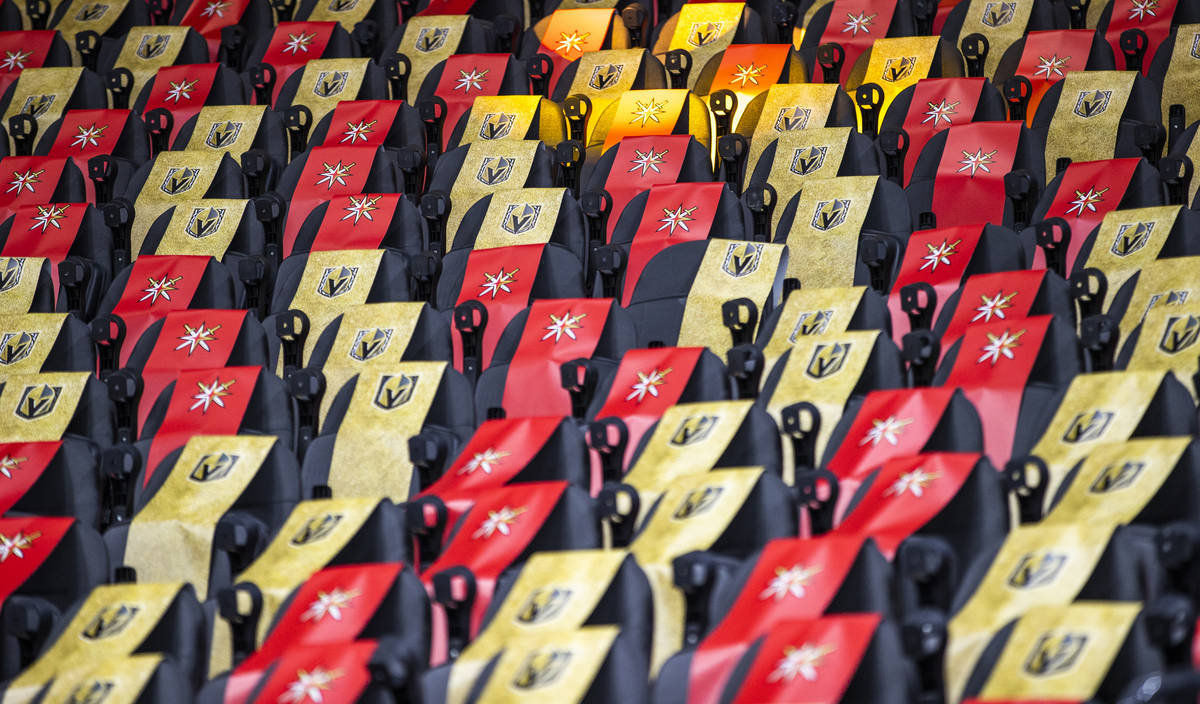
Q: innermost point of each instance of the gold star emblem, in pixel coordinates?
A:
(647, 112)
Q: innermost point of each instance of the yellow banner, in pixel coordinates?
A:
(730, 269)
(26, 340)
(205, 227)
(39, 407)
(1085, 122)
(1117, 480)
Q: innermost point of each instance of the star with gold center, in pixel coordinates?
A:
(939, 254)
(48, 216)
(1086, 201)
(215, 8)
(181, 90)
(159, 288)
(495, 283)
(679, 217)
(800, 662)
(571, 42)
(17, 544)
(647, 111)
(747, 74)
(361, 207)
(88, 136)
(329, 604)
(1050, 68)
(857, 23)
(977, 161)
(14, 60)
(1141, 9)
(484, 461)
(940, 111)
(298, 43)
(309, 686)
(334, 174)
(791, 581)
(357, 130)
(998, 346)
(647, 384)
(475, 78)
(198, 336)
(993, 306)
(648, 160)
(885, 430)
(10, 464)
(498, 522)
(25, 181)
(566, 324)
(913, 482)
(210, 394)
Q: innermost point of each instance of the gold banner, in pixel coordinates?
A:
(174, 178)
(227, 128)
(811, 312)
(82, 15)
(511, 117)
(1129, 240)
(895, 64)
(1117, 480)
(558, 667)
(804, 155)
(26, 340)
(115, 681)
(790, 107)
(327, 82)
(1088, 114)
(39, 407)
(19, 278)
(689, 439)
(332, 281)
(604, 76)
(730, 269)
(489, 166)
(43, 93)
(429, 40)
(1003, 23)
(371, 336)
(829, 217)
(347, 13)
(520, 216)
(204, 226)
(1167, 342)
(1183, 75)
(704, 30)
(147, 49)
(1163, 283)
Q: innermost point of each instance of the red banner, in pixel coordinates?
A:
(356, 221)
(1006, 295)
(674, 213)
(556, 332)
(464, 78)
(1151, 16)
(328, 172)
(25, 543)
(361, 123)
(319, 674)
(937, 104)
(936, 257)
(21, 463)
(970, 176)
(502, 280)
(157, 285)
(292, 46)
(181, 91)
(1088, 191)
(856, 24)
(1048, 57)
(639, 163)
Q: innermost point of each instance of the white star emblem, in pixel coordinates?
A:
(48, 216)
(940, 254)
(215, 7)
(309, 686)
(16, 545)
(14, 60)
(977, 161)
(198, 336)
(792, 581)
(357, 131)
(334, 174)
(647, 111)
(566, 324)
(571, 42)
(10, 464)
(211, 394)
(913, 482)
(484, 461)
(998, 346)
(1140, 9)
(473, 79)
(888, 430)
(1086, 201)
(160, 288)
(498, 522)
(494, 284)
(857, 23)
(747, 74)
(181, 90)
(298, 43)
(25, 181)
(329, 604)
(939, 112)
(361, 207)
(678, 217)
(648, 160)
(87, 136)
(994, 305)
(1049, 68)
(647, 384)
(800, 662)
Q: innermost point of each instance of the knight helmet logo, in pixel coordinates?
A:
(37, 401)
(179, 180)
(91, 12)
(1037, 570)
(10, 272)
(37, 105)
(520, 218)
(204, 222)
(1180, 333)
(792, 119)
(431, 39)
(742, 259)
(370, 343)
(897, 68)
(814, 322)
(1088, 426)
(495, 170)
(542, 668)
(317, 528)
(93, 692)
(213, 467)
(998, 14)
(605, 76)
(694, 429)
(16, 346)
(827, 360)
(153, 46)
(807, 160)
(1195, 52)
(223, 134)
(704, 33)
(1091, 103)
(342, 5)
(395, 390)
(544, 604)
(830, 213)
(1054, 654)
(697, 501)
(1131, 237)
(330, 83)
(1117, 476)
(337, 280)
(497, 125)
(111, 620)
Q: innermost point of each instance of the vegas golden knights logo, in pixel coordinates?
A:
(1195, 46)
(37, 401)
(179, 179)
(1175, 297)
(520, 218)
(330, 83)
(898, 68)
(542, 668)
(495, 170)
(1054, 654)
(697, 501)
(110, 621)
(1115, 477)
(395, 390)
(807, 160)
(15, 346)
(704, 33)
(497, 125)
(1091, 103)
(830, 213)
(94, 692)
(370, 343)
(694, 429)
(1131, 237)
(827, 360)
(10, 272)
(811, 323)
(223, 134)
(1088, 426)
(342, 5)
(998, 14)
(152, 46)
(337, 280)
(204, 222)
(1179, 334)
(37, 105)
(213, 467)
(431, 38)
(91, 13)
(544, 604)
(317, 528)
(792, 119)
(605, 76)
(741, 259)
(1037, 570)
